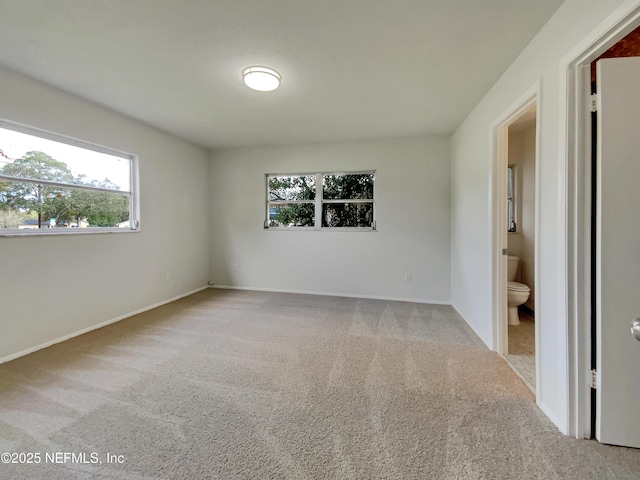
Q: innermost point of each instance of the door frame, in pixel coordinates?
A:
(575, 148)
(498, 215)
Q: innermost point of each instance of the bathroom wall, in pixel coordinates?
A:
(522, 152)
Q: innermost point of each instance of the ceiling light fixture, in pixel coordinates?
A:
(262, 79)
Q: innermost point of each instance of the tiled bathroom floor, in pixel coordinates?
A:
(522, 349)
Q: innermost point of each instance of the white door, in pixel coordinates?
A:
(618, 251)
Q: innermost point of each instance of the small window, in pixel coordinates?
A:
(292, 200)
(511, 205)
(343, 201)
(53, 184)
(347, 200)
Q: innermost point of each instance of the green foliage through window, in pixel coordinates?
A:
(348, 186)
(38, 191)
(292, 215)
(345, 200)
(292, 188)
(338, 215)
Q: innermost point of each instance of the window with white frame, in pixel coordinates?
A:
(511, 199)
(53, 184)
(336, 200)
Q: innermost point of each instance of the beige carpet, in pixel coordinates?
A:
(231, 385)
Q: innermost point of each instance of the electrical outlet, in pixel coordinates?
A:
(168, 276)
(407, 276)
(235, 267)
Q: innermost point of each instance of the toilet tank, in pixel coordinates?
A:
(512, 268)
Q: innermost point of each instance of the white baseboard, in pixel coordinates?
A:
(331, 294)
(99, 325)
(472, 329)
(541, 406)
(552, 417)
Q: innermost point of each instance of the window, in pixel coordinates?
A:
(54, 184)
(321, 201)
(511, 206)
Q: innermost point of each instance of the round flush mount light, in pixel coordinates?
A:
(262, 79)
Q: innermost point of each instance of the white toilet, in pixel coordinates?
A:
(517, 293)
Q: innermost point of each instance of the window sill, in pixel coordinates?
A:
(54, 232)
(325, 229)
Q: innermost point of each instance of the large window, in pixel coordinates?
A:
(321, 201)
(53, 184)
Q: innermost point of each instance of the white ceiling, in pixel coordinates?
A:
(351, 69)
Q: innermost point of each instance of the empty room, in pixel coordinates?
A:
(303, 240)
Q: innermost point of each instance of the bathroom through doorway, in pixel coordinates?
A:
(515, 243)
(521, 176)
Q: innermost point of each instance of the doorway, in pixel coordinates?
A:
(581, 257)
(514, 197)
(629, 46)
(521, 289)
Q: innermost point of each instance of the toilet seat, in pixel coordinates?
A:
(517, 287)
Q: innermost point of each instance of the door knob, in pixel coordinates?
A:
(635, 328)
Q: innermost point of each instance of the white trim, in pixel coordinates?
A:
(52, 232)
(537, 239)
(319, 201)
(66, 139)
(323, 229)
(351, 200)
(497, 213)
(499, 235)
(471, 326)
(330, 294)
(76, 186)
(328, 172)
(99, 325)
(133, 192)
(549, 413)
(575, 177)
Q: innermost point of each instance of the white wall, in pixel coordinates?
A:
(54, 286)
(412, 211)
(470, 220)
(521, 243)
